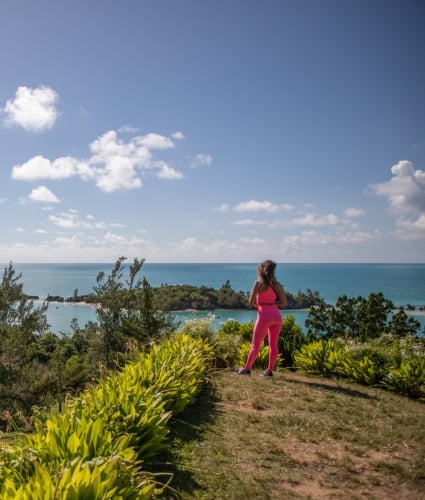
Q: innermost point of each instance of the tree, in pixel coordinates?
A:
(403, 325)
(15, 307)
(359, 318)
(25, 377)
(318, 322)
(109, 295)
(126, 315)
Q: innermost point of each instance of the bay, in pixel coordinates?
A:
(402, 283)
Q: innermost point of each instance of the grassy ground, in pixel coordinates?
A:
(295, 436)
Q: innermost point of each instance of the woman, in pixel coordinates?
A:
(267, 296)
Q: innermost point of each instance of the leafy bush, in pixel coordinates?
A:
(322, 356)
(362, 371)
(408, 379)
(262, 359)
(290, 340)
(95, 448)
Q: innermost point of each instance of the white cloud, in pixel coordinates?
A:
(201, 160)
(315, 220)
(178, 136)
(42, 194)
(154, 141)
(39, 167)
(169, 173)
(250, 222)
(354, 212)
(405, 193)
(113, 165)
(256, 206)
(73, 220)
(32, 109)
(342, 238)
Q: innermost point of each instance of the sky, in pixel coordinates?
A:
(212, 130)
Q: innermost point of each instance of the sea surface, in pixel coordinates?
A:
(402, 283)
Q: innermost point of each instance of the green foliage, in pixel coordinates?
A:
(359, 318)
(304, 300)
(262, 359)
(403, 325)
(229, 339)
(393, 363)
(200, 328)
(408, 378)
(127, 314)
(226, 349)
(181, 297)
(96, 447)
(322, 357)
(16, 309)
(362, 371)
(290, 340)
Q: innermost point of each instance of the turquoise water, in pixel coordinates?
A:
(402, 283)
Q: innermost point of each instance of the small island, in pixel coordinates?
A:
(200, 298)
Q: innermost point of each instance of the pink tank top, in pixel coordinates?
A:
(267, 296)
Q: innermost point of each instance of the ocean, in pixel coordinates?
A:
(402, 283)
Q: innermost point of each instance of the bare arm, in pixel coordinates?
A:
(253, 296)
(281, 300)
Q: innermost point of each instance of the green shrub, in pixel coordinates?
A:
(262, 359)
(95, 448)
(363, 371)
(322, 356)
(290, 340)
(408, 379)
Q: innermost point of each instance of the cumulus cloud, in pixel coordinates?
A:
(73, 220)
(114, 164)
(201, 160)
(256, 206)
(39, 167)
(42, 194)
(32, 109)
(316, 238)
(354, 212)
(405, 193)
(250, 222)
(311, 219)
(167, 172)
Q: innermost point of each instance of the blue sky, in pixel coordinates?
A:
(212, 130)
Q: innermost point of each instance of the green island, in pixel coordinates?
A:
(133, 405)
(200, 298)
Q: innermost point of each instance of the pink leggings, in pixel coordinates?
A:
(269, 321)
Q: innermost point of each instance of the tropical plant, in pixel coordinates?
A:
(408, 378)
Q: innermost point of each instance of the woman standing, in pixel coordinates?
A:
(267, 296)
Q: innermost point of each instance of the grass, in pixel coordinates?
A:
(296, 436)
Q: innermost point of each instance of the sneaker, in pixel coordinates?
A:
(267, 373)
(243, 371)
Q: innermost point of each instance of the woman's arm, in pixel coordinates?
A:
(253, 296)
(281, 300)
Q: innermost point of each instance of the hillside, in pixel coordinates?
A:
(296, 436)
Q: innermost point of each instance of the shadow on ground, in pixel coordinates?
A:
(185, 427)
